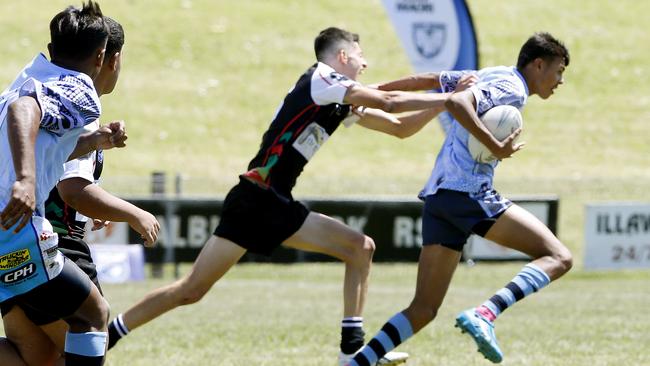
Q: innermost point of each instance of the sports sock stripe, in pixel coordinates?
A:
(516, 291)
(120, 326)
(376, 347)
(530, 279)
(392, 333)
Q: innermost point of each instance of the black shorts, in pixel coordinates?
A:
(75, 250)
(259, 219)
(56, 299)
(449, 217)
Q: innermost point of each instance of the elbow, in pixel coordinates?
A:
(389, 105)
(401, 134)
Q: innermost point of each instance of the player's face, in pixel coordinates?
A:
(356, 63)
(550, 76)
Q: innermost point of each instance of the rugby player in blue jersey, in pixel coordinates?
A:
(39, 338)
(42, 116)
(459, 199)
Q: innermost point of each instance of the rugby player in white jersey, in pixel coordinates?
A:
(42, 115)
(260, 213)
(460, 200)
(39, 337)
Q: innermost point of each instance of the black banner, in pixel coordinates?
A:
(394, 225)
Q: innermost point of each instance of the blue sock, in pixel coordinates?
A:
(392, 334)
(87, 349)
(530, 279)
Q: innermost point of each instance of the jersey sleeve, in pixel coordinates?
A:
(82, 167)
(497, 92)
(65, 104)
(329, 87)
(449, 79)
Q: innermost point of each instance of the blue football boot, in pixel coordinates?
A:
(482, 331)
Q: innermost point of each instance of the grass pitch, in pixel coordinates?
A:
(270, 315)
(200, 82)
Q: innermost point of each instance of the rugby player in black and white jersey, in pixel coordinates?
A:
(260, 213)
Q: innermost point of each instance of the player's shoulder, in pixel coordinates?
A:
(327, 74)
(493, 72)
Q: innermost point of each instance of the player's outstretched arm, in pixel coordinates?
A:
(424, 81)
(23, 121)
(93, 201)
(399, 126)
(104, 138)
(393, 101)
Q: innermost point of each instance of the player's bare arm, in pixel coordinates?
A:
(424, 81)
(461, 106)
(393, 101)
(104, 138)
(407, 124)
(399, 126)
(93, 201)
(23, 121)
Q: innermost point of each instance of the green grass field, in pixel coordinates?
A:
(200, 82)
(270, 315)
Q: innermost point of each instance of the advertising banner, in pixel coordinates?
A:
(617, 236)
(395, 226)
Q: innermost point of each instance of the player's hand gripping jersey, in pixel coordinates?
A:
(455, 169)
(68, 102)
(309, 114)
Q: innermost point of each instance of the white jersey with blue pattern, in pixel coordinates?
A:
(68, 101)
(455, 169)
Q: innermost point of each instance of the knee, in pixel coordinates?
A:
(564, 259)
(363, 250)
(90, 317)
(100, 318)
(189, 293)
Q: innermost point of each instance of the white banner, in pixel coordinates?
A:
(617, 236)
(118, 263)
(436, 34)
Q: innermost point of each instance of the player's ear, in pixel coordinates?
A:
(342, 56)
(538, 63)
(114, 60)
(99, 57)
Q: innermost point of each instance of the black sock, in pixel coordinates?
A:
(116, 330)
(352, 335)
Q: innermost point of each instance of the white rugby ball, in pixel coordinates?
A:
(501, 121)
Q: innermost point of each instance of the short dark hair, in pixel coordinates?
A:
(332, 37)
(77, 32)
(542, 45)
(115, 37)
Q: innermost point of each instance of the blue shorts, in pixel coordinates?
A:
(28, 258)
(450, 217)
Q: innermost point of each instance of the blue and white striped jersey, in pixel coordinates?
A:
(455, 169)
(68, 102)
